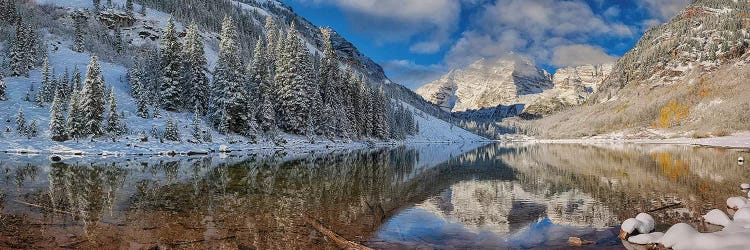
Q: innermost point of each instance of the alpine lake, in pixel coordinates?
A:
(431, 196)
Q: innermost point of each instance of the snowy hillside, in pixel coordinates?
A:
(687, 77)
(140, 138)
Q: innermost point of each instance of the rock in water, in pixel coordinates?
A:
(578, 242)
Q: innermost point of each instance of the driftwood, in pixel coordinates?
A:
(666, 207)
(341, 242)
(46, 208)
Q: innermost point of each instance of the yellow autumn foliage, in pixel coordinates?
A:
(672, 113)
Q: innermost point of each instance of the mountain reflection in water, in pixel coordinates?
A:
(438, 196)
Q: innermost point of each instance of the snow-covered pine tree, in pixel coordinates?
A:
(272, 39)
(8, 12)
(47, 91)
(380, 126)
(63, 86)
(170, 68)
(129, 7)
(361, 108)
(75, 117)
(171, 130)
(113, 118)
(79, 22)
(92, 99)
(229, 94)
(57, 126)
(31, 46)
(119, 43)
(76, 80)
(39, 98)
(329, 70)
(197, 130)
(260, 74)
(3, 88)
(32, 130)
(197, 83)
(18, 52)
(21, 122)
(293, 83)
(97, 4)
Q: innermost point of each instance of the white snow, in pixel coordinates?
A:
(734, 235)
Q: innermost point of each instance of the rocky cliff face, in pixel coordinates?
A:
(588, 77)
(487, 84)
(493, 90)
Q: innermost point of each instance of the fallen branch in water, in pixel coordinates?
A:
(46, 208)
(666, 207)
(341, 242)
(73, 244)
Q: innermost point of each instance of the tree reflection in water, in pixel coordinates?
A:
(447, 196)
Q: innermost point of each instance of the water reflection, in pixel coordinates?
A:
(441, 196)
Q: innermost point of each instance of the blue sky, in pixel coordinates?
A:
(416, 41)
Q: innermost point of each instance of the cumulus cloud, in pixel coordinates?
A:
(532, 27)
(663, 10)
(410, 74)
(580, 54)
(427, 23)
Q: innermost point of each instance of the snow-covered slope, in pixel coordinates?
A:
(487, 84)
(62, 57)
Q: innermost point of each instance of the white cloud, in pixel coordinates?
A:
(580, 54)
(410, 74)
(429, 22)
(664, 9)
(533, 27)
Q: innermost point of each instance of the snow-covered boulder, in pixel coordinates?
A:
(717, 217)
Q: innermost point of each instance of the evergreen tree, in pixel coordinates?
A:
(32, 130)
(170, 68)
(272, 39)
(292, 79)
(229, 94)
(3, 88)
(92, 99)
(197, 130)
(97, 4)
(63, 86)
(8, 12)
(48, 90)
(196, 68)
(260, 76)
(129, 7)
(17, 52)
(79, 21)
(77, 79)
(57, 126)
(30, 46)
(171, 130)
(75, 117)
(142, 106)
(21, 122)
(113, 119)
(119, 43)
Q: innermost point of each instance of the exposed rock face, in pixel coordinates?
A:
(588, 77)
(487, 84)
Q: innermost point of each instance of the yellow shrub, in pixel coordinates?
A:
(671, 114)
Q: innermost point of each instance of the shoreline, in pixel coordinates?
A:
(736, 141)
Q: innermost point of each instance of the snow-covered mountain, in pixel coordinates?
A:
(512, 86)
(487, 84)
(687, 76)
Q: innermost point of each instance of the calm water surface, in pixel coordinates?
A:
(432, 196)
